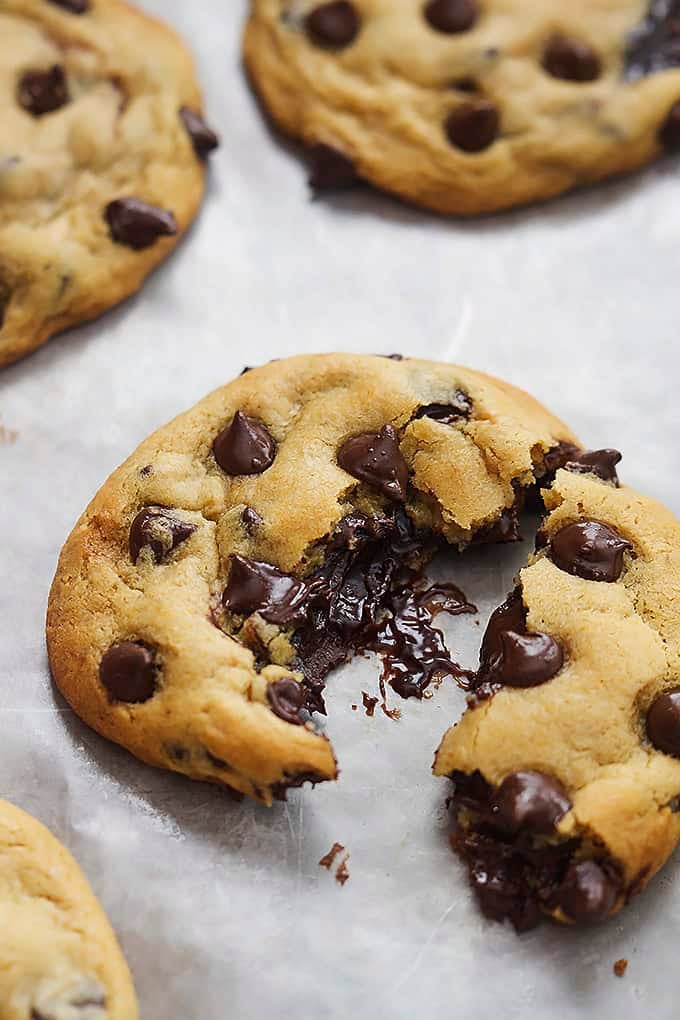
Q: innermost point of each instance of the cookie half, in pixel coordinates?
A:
(59, 959)
(102, 160)
(260, 539)
(566, 765)
(470, 106)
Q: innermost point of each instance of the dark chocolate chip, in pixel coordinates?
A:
(669, 135)
(510, 615)
(663, 723)
(375, 457)
(460, 406)
(528, 660)
(287, 698)
(468, 85)
(159, 530)
(587, 894)
(530, 801)
(474, 126)
(245, 447)
(601, 463)
(137, 224)
(451, 16)
(129, 672)
(557, 457)
(255, 587)
(330, 169)
(251, 520)
(203, 138)
(335, 24)
(41, 92)
(72, 6)
(393, 357)
(589, 549)
(571, 60)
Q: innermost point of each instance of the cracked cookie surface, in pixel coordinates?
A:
(59, 959)
(567, 775)
(102, 160)
(469, 106)
(248, 547)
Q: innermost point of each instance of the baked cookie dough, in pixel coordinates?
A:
(258, 540)
(566, 765)
(59, 959)
(470, 106)
(102, 160)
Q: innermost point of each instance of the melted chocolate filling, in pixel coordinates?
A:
(655, 44)
(519, 877)
(368, 595)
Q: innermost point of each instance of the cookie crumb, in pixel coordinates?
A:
(354, 708)
(369, 703)
(328, 859)
(342, 874)
(620, 967)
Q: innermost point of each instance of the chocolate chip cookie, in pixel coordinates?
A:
(265, 536)
(469, 106)
(59, 959)
(102, 160)
(566, 765)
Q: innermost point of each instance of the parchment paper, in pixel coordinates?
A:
(222, 909)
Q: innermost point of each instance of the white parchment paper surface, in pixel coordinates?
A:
(222, 909)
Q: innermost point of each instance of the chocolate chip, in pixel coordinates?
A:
(158, 529)
(129, 672)
(375, 457)
(245, 447)
(571, 60)
(663, 723)
(589, 549)
(72, 6)
(669, 135)
(203, 138)
(557, 457)
(330, 169)
(529, 801)
(42, 92)
(393, 357)
(287, 698)
(255, 587)
(587, 894)
(511, 656)
(474, 126)
(510, 615)
(527, 660)
(334, 24)
(601, 463)
(451, 15)
(251, 520)
(137, 224)
(460, 406)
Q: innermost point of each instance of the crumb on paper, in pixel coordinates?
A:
(342, 874)
(391, 713)
(8, 435)
(620, 967)
(369, 703)
(354, 708)
(328, 859)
